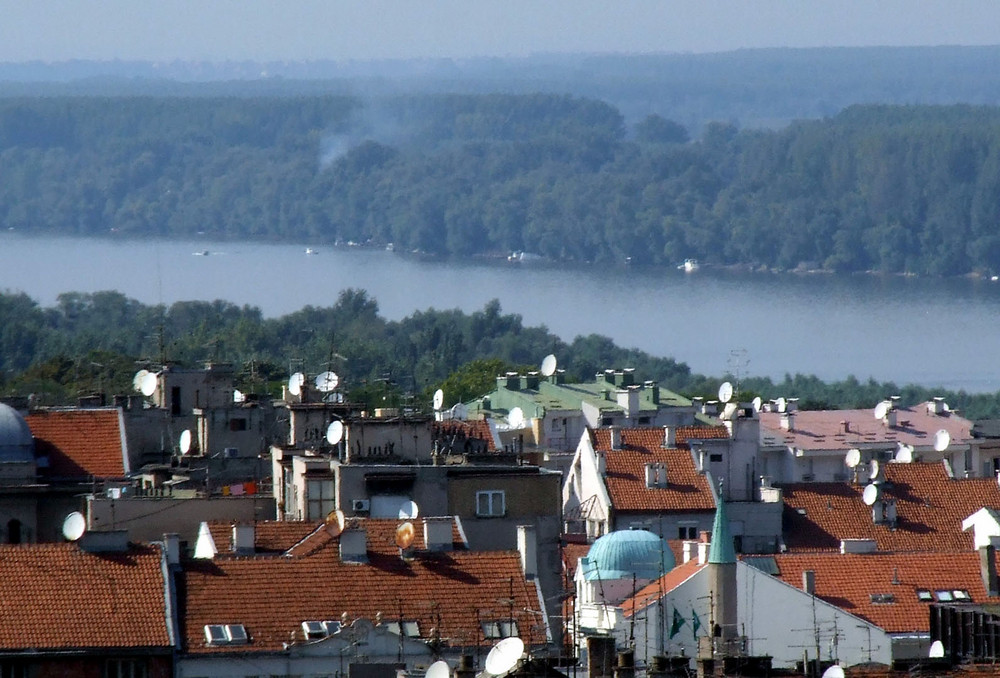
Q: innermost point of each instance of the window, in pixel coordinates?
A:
(494, 630)
(239, 424)
(961, 594)
(411, 629)
(607, 421)
(316, 630)
(924, 596)
(14, 531)
(882, 598)
(643, 421)
(490, 503)
(175, 401)
(715, 457)
(226, 634)
(125, 668)
(943, 596)
(14, 669)
(319, 498)
(687, 532)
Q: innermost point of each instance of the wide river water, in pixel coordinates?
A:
(936, 333)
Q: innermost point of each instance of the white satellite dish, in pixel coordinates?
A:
(549, 365)
(335, 432)
(874, 471)
(74, 526)
(185, 442)
(438, 669)
(295, 383)
(870, 495)
(937, 650)
(137, 379)
(239, 396)
(942, 439)
(516, 418)
(904, 455)
(725, 392)
(504, 656)
(834, 672)
(438, 402)
(335, 522)
(149, 383)
(408, 510)
(459, 411)
(781, 404)
(757, 404)
(853, 458)
(326, 381)
(882, 409)
(728, 411)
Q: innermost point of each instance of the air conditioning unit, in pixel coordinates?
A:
(360, 505)
(231, 452)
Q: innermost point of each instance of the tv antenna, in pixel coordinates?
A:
(326, 381)
(738, 362)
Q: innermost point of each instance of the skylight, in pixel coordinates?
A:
(411, 629)
(944, 596)
(226, 634)
(317, 630)
(924, 596)
(882, 598)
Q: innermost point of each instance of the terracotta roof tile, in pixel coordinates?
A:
(58, 597)
(662, 586)
(272, 595)
(849, 580)
(477, 429)
(686, 490)
(79, 443)
(930, 509)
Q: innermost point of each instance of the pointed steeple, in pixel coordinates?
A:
(721, 550)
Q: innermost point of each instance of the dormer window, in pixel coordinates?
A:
(226, 634)
(317, 630)
(410, 629)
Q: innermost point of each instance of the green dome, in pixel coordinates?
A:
(627, 553)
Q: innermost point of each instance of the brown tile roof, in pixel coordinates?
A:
(930, 509)
(824, 429)
(58, 597)
(80, 443)
(272, 595)
(849, 580)
(477, 429)
(687, 490)
(657, 589)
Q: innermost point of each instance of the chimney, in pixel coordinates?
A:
(650, 475)
(527, 546)
(626, 664)
(243, 538)
(788, 421)
(669, 437)
(687, 554)
(354, 545)
(809, 582)
(602, 462)
(890, 418)
(616, 437)
(988, 570)
(172, 548)
(704, 543)
(846, 425)
(437, 533)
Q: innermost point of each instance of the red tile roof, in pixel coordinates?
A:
(477, 429)
(686, 491)
(272, 595)
(80, 443)
(849, 580)
(58, 597)
(662, 586)
(930, 509)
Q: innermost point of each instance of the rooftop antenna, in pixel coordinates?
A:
(942, 439)
(326, 381)
(738, 362)
(549, 365)
(74, 526)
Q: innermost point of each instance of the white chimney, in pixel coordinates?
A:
(602, 463)
(172, 548)
(354, 545)
(688, 552)
(788, 421)
(650, 475)
(616, 437)
(669, 437)
(437, 533)
(243, 538)
(527, 546)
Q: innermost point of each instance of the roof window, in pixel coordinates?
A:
(411, 629)
(961, 594)
(944, 596)
(505, 628)
(226, 634)
(317, 630)
(924, 596)
(882, 598)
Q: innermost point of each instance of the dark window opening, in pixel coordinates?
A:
(237, 424)
(175, 401)
(14, 531)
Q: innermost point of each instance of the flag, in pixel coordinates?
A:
(675, 626)
(695, 623)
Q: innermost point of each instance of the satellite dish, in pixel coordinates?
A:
(942, 439)
(438, 669)
(504, 656)
(904, 455)
(757, 404)
(516, 418)
(873, 472)
(405, 534)
(137, 379)
(882, 409)
(295, 383)
(834, 672)
(185, 442)
(74, 526)
(438, 399)
(335, 522)
(937, 650)
(326, 381)
(853, 458)
(149, 383)
(239, 396)
(781, 403)
(459, 411)
(335, 432)
(408, 510)
(728, 411)
(549, 365)
(725, 392)
(870, 495)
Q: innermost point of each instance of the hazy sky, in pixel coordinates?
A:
(218, 30)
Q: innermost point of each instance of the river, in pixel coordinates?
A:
(932, 332)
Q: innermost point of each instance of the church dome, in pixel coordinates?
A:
(625, 554)
(16, 443)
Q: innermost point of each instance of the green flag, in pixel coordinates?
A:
(675, 626)
(695, 623)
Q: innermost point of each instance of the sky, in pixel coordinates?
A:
(343, 30)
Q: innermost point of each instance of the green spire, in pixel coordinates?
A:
(721, 550)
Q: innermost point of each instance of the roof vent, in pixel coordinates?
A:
(437, 533)
(669, 437)
(656, 475)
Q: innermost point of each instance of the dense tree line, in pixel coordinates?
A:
(94, 343)
(891, 189)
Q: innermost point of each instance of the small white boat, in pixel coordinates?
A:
(310, 250)
(689, 266)
(203, 253)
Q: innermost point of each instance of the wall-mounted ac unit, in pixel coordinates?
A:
(360, 505)
(231, 452)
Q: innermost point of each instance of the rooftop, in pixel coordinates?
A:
(80, 443)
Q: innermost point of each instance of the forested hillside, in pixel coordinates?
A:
(891, 189)
(94, 343)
